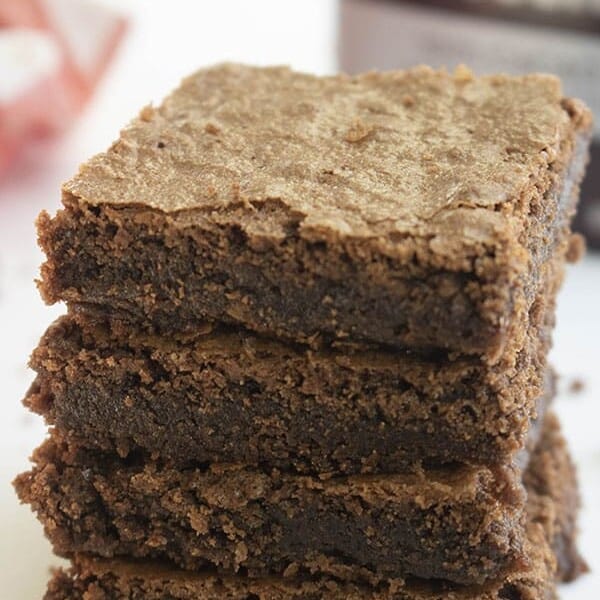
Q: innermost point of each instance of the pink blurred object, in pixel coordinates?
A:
(52, 55)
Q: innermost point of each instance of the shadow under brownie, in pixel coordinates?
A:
(410, 209)
(550, 548)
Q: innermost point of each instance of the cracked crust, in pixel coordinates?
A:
(343, 156)
(412, 209)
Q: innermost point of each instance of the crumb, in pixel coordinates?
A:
(147, 113)
(241, 553)
(576, 249)
(576, 386)
(358, 131)
(463, 74)
(212, 129)
(408, 100)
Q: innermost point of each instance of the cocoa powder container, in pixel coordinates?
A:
(511, 36)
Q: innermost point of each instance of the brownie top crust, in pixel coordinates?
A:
(420, 153)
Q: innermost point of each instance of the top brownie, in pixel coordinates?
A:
(412, 209)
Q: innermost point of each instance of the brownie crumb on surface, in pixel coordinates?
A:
(577, 247)
(577, 385)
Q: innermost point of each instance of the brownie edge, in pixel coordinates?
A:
(437, 248)
(552, 511)
(462, 524)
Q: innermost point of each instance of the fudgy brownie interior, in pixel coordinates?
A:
(550, 548)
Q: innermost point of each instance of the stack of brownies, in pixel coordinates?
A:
(305, 351)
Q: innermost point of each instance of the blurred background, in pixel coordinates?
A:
(73, 72)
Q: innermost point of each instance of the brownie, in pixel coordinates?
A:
(411, 209)
(97, 579)
(226, 395)
(461, 524)
(552, 507)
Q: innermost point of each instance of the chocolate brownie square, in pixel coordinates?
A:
(550, 548)
(411, 209)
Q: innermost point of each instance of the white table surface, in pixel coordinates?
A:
(168, 41)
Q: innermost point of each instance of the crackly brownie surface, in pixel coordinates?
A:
(231, 396)
(412, 209)
(552, 508)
